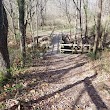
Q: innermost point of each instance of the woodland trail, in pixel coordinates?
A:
(64, 82)
(54, 45)
(73, 82)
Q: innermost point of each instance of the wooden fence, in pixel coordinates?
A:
(75, 48)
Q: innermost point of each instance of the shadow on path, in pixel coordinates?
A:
(93, 94)
(96, 99)
(51, 76)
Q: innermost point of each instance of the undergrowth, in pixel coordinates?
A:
(94, 56)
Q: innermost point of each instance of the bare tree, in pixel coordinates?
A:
(12, 14)
(43, 11)
(31, 14)
(79, 9)
(37, 18)
(80, 15)
(98, 27)
(85, 2)
(22, 26)
(68, 15)
(76, 21)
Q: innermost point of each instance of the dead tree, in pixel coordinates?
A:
(4, 54)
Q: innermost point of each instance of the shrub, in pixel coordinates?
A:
(92, 56)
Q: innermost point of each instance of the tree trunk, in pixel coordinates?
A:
(13, 21)
(4, 54)
(80, 19)
(37, 20)
(41, 14)
(86, 21)
(76, 23)
(68, 16)
(31, 23)
(98, 27)
(22, 26)
(80, 15)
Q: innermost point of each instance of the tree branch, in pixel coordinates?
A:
(76, 6)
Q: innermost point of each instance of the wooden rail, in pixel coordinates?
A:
(75, 48)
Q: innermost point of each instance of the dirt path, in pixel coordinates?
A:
(54, 45)
(72, 85)
(67, 82)
(64, 82)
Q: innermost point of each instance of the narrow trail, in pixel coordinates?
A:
(72, 82)
(54, 45)
(64, 82)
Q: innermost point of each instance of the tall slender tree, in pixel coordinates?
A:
(22, 27)
(12, 14)
(85, 2)
(68, 15)
(4, 54)
(98, 27)
(78, 6)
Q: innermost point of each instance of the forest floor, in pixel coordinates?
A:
(62, 82)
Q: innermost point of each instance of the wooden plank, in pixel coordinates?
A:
(86, 45)
(83, 45)
(81, 48)
(71, 50)
(76, 50)
(66, 49)
(74, 45)
(66, 44)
